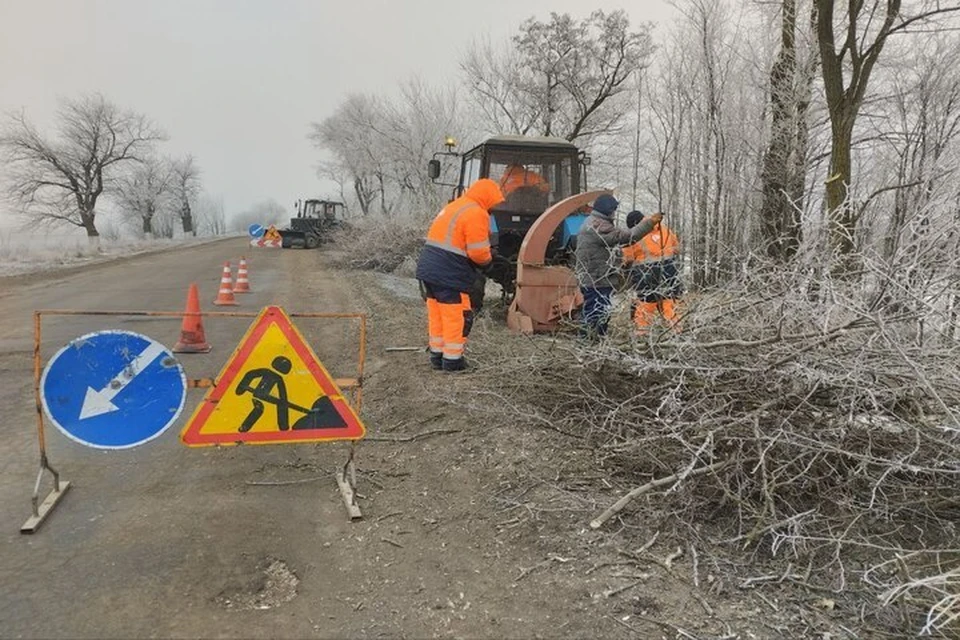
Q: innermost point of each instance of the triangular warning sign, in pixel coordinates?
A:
(273, 389)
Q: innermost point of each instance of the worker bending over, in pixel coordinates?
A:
(457, 245)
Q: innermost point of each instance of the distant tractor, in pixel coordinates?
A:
(534, 173)
(313, 224)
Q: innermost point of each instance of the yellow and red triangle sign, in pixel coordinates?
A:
(272, 390)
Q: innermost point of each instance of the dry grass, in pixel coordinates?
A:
(380, 245)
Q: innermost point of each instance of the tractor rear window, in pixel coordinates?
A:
(531, 180)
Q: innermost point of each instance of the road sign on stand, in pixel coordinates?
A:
(272, 390)
(271, 234)
(113, 389)
(265, 237)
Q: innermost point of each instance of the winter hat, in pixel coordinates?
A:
(606, 205)
(634, 218)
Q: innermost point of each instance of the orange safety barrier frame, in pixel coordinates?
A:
(346, 477)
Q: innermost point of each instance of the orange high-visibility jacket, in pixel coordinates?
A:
(659, 244)
(516, 176)
(459, 238)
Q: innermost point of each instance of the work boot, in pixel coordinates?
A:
(436, 361)
(455, 366)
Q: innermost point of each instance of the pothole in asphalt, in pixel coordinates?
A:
(269, 588)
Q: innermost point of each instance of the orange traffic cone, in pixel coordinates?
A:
(243, 284)
(225, 295)
(192, 338)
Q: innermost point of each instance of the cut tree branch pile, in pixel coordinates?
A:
(795, 415)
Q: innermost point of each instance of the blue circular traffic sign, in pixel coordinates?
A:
(256, 230)
(113, 389)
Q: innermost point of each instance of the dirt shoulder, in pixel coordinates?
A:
(480, 528)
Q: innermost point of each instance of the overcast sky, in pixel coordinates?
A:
(237, 82)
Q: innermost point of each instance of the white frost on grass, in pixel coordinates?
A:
(23, 252)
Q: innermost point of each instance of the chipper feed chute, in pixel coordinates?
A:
(545, 294)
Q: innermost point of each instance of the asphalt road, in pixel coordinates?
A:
(159, 540)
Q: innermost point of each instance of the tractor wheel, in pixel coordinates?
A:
(313, 242)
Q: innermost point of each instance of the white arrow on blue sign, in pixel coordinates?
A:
(113, 389)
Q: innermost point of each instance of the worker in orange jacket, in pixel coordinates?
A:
(457, 245)
(654, 273)
(516, 176)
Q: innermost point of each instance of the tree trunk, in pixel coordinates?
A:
(186, 217)
(361, 196)
(87, 218)
(796, 186)
(843, 220)
(778, 225)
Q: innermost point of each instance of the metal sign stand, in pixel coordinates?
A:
(60, 488)
(347, 481)
(346, 477)
(42, 510)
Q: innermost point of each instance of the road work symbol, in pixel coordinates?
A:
(272, 390)
(113, 389)
(269, 381)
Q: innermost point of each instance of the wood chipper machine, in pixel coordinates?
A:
(533, 232)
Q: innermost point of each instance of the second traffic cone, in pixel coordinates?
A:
(243, 283)
(225, 295)
(192, 338)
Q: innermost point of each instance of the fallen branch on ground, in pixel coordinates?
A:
(415, 436)
(618, 506)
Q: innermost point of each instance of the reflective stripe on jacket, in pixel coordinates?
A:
(659, 244)
(459, 238)
(654, 271)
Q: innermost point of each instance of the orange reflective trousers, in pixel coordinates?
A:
(449, 320)
(645, 314)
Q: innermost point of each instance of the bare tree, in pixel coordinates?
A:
(145, 190)
(349, 135)
(705, 126)
(336, 173)
(381, 146)
(925, 126)
(562, 77)
(865, 27)
(209, 215)
(494, 81)
(784, 165)
(186, 186)
(62, 179)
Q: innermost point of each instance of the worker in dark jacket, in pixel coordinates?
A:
(598, 261)
(457, 245)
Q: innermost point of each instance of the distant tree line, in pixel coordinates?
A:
(101, 153)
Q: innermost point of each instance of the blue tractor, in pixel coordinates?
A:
(534, 173)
